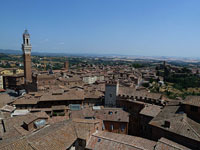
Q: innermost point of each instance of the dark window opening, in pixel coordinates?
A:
(110, 112)
(111, 127)
(123, 128)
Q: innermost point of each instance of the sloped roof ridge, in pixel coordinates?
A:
(170, 145)
(192, 128)
(33, 147)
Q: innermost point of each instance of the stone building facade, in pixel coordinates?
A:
(111, 92)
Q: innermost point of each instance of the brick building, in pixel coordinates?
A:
(49, 99)
(15, 82)
(65, 135)
(173, 124)
(42, 82)
(191, 106)
(26, 48)
(114, 119)
(146, 115)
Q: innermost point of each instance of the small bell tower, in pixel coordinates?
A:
(26, 48)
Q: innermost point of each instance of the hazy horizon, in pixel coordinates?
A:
(130, 27)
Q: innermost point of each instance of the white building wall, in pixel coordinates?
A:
(1, 82)
(93, 79)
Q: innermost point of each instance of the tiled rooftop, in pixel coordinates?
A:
(112, 141)
(179, 123)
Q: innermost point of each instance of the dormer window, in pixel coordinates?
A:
(40, 123)
(110, 112)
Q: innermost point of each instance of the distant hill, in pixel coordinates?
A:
(8, 51)
(19, 52)
(125, 57)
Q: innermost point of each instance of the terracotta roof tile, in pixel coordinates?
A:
(192, 100)
(150, 110)
(179, 123)
(21, 144)
(165, 144)
(113, 141)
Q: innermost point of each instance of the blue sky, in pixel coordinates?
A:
(130, 27)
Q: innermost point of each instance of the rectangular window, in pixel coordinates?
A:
(123, 128)
(111, 127)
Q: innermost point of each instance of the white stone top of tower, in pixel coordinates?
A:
(26, 45)
(26, 32)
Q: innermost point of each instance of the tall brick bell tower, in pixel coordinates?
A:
(26, 48)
